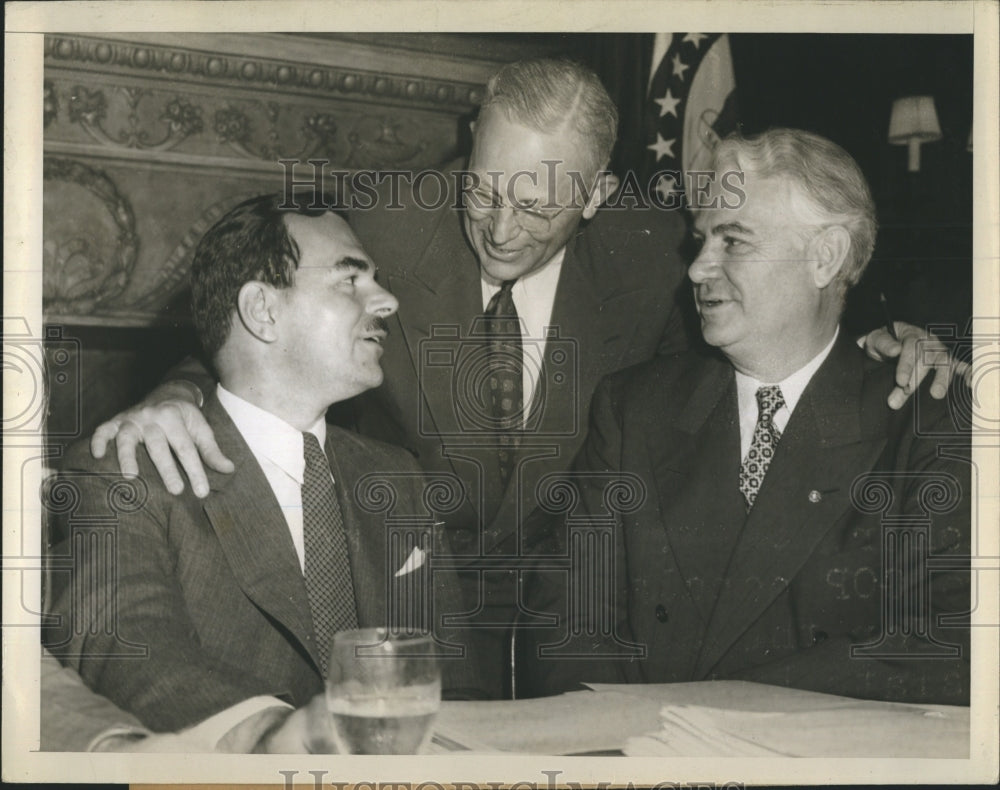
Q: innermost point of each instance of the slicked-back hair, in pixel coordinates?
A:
(555, 95)
(250, 243)
(827, 175)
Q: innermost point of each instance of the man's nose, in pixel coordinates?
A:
(382, 303)
(702, 267)
(503, 226)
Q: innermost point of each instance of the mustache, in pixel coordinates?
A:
(377, 324)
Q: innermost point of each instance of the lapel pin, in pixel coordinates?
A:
(815, 496)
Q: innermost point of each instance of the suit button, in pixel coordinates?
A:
(819, 636)
(661, 613)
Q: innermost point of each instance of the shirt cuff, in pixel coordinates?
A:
(125, 730)
(215, 728)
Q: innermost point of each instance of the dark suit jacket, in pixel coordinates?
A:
(616, 305)
(193, 605)
(703, 591)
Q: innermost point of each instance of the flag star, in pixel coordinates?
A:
(695, 38)
(668, 104)
(664, 186)
(679, 67)
(662, 147)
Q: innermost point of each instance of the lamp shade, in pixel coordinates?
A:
(914, 121)
(914, 116)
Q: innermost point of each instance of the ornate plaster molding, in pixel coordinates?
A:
(259, 72)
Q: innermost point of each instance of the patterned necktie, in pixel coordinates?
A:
(328, 569)
(765, 439)
(506, 376)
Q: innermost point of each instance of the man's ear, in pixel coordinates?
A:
(829, 250)
(605, 186)
(255, 305)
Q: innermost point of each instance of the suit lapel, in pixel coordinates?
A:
(365, 533)
(806, 490)
(699, 512)
(440, 297)
(380, 543)
(440, 301)
(253, 534)
(590, 335)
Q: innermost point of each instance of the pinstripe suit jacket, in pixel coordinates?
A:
(203, 602)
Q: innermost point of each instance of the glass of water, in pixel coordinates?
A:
(383, 691)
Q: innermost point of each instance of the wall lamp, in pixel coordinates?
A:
(914, 121)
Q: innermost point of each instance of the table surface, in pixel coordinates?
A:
(700, 719)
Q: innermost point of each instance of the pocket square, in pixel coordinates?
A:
(414, 561)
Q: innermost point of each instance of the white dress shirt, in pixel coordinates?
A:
(533, 295)
(278, 448)
(791, 391)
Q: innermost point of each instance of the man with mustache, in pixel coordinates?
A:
(787, 526)
(236, 596)
(525, 242)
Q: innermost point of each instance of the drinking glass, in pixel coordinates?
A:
(383, 691)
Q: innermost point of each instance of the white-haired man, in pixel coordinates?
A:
(784, 514)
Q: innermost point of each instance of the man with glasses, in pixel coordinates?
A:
(516, 297)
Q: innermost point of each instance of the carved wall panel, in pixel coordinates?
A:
(94, 115)
(118, 238)
(149, 138)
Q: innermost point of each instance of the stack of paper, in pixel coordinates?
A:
(580, 721)
(843, 729)
(726, 718)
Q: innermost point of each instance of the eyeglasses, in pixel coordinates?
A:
(482, 202)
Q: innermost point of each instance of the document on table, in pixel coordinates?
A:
(740, 719)
(712, 718)
(580, 721)
(859, 730)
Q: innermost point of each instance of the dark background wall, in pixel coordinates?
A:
(843, 87)
(840, 86)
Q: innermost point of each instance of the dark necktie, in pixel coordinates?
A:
(328, 569)
(765, 440)
(506, 377)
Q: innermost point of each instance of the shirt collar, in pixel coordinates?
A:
(269, 436)
(792, 387)
(534, 284)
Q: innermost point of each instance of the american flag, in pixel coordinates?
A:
(692, 104)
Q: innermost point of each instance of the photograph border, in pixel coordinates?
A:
(26, 24)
